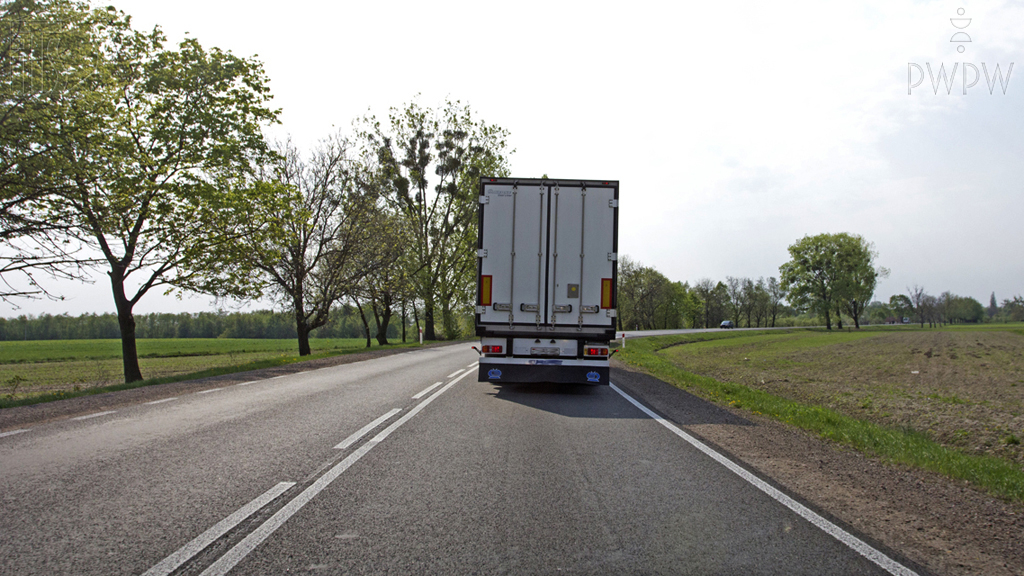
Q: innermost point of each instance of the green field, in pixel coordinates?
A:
(950, 399)
(34, 369)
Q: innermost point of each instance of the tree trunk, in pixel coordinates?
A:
(126, 322)
(301, 326)
(428, 320)
(303, 330)
(366, 325)
(382, 319)
(405, 321)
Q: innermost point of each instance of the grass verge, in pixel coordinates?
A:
(10, 402)
(903, 446)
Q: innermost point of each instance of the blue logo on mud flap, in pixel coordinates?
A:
(494, 374)
(593, 377)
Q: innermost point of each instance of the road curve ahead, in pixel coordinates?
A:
(404, 465)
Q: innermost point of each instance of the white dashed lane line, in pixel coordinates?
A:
(427, 390)
(235, 555)
(454, 374)
(12, 432)
(208, 391)
(161, 401)
(366, 430)
(96, 415)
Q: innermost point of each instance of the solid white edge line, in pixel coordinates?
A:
(161, 401)
(208, 391)
(247, 383)
(366, 430)
(183, 554)
(858, 545)
(427, 390)
(96, 415)
(454, 374)
(13, 432)
(235, 555)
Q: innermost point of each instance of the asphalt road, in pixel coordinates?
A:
(360, 469)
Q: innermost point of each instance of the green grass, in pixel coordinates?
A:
(43, 371)
(899, 445)
(18, 352)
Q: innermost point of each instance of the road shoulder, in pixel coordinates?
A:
(938, 523)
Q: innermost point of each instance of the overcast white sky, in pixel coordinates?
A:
(734, 128)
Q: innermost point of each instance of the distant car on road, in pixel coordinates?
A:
(726, 324)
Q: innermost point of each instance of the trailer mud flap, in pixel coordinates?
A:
(543, 373)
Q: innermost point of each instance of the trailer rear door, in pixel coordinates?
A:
(547, 255)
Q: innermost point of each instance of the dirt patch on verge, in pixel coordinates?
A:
(943, 525)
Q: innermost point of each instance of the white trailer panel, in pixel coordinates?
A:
(547, 257)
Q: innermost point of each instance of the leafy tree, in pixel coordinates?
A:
(704, 289)
(993, 308)
(735, 301)
(386, 284)
(857, 284)
(959, 309)
(878, 312)
(901, 306)
(47, 56)
(1013, 310)
(759, 302)
(692, 307)
(919, 303)
(829, 271)
(327, 247)
(775, 297)
(159, 183)
(719, 304)
(441, 212)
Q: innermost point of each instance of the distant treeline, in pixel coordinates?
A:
(345, 323)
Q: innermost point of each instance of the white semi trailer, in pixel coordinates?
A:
(547, 269)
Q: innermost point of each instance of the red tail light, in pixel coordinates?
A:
(492, 349)
(595, 351)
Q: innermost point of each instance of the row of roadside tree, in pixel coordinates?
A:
(147, 164)
(345, 322)
(830, 278)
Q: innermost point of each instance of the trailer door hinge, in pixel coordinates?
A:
(485, 199)
(613, 203)
(611, 313)
(481, 309)
(481, 253)
(612, 256)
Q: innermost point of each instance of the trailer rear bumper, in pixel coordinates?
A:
(498, 370)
